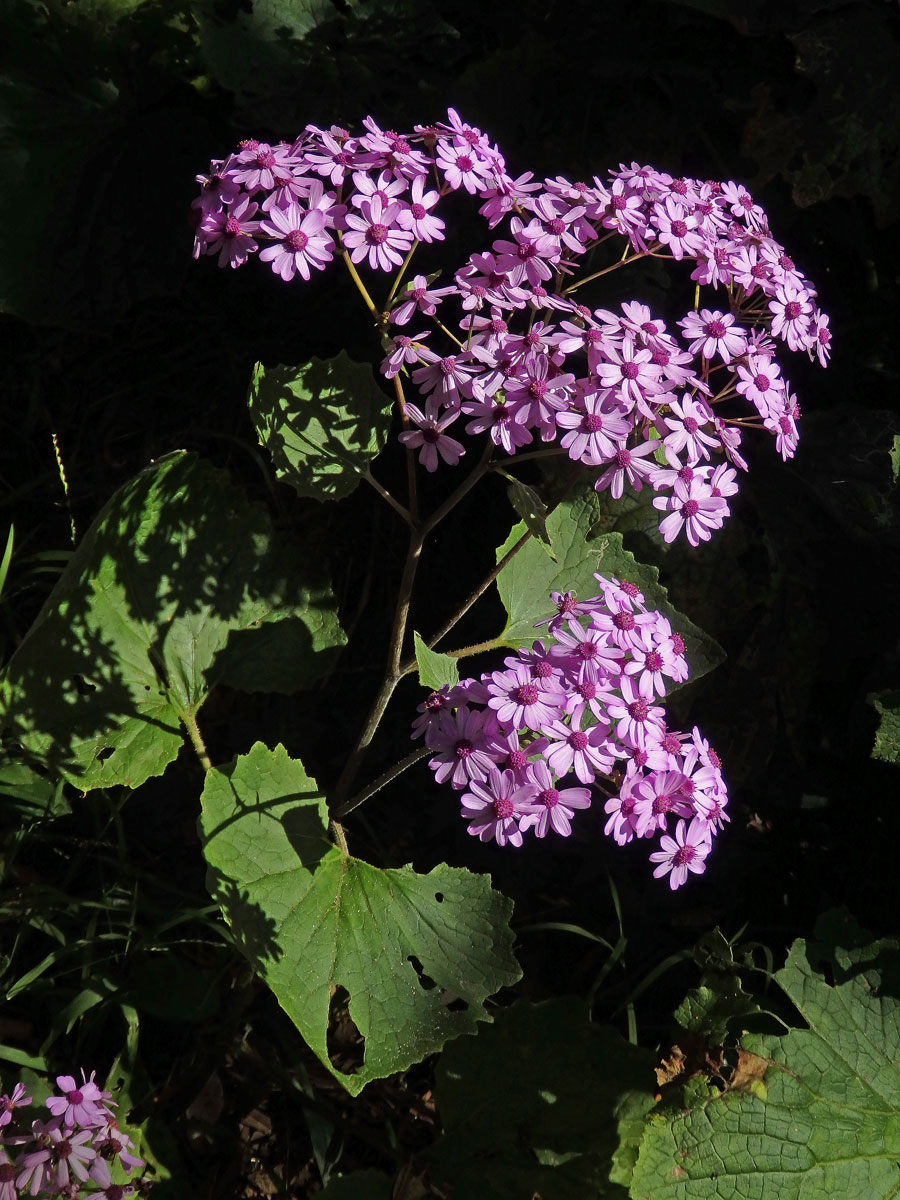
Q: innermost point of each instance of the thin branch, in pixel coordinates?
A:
(381, 781)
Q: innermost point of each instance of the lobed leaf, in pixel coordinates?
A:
(417, 954)
(526, 582)
(163, 597)
(817, 1114)
(322, 422)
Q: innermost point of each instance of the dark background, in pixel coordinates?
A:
(116, 342)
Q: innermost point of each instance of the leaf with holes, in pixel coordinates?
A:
(164, 595)
(525, 583)
(322, 422)
(818, 1116)
(417, 954)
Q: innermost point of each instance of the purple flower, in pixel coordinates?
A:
(584, 751)
(684, 853)
(373, 234)
(417, 217)
(493, 808)
(460, 744)
(552, 808)
(692, 505)
(429, 438)
(302, 241)
(521, 700)
(714, 332)
(80, 1104)
(17, 1098)
(230, 233)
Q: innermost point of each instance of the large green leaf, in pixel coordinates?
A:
(163, 597)
(435, 669)
(322, 422)
(526, 581)
(418, 954)
(541, 1102)
(824, 1122)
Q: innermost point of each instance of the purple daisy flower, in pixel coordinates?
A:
(493, 808)
(686, 852)
(429, 438)
(552, 808)
(373, 234)
(302, 241)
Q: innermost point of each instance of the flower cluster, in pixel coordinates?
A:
(638, 402)
(581, 702)
(71, 1154)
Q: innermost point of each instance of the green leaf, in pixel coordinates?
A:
(36, 796)
(322, 422)
(175, 572)
(526, 581)
(435, 669)
(887, 736)
(418, 954)
(709, 1009)
(531, 508)
(823, 1121)
(541, 1102)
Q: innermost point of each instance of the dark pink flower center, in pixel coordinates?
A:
(500, 414)
(714, 329)
(626, 806)
(549, 797)
(679, 228)
(297, 240)
(638, 710)
(566, 604)
(418, 294)
(7, 1172)
(587, 650)
(784, 423)
(617, 203)
(556, 226)
(792, 310)
(677, 643)
(714, 759)
(448, 365)
(418, 211)
(343, 159)
(594, 336)
(578, 741)
(435, 700)
(684, 855)
(464, 163)
(526, 250)
(671, 744)
(690, 508)
(624, 620)
(432, 436)
(630, 370)
(691, 425)
(630, 589)
(762, 383)
(661, 804)
(232, 227)
(249, 144)
(376, 234)
(74, 1097)
(498, 325)
(542, 670)
(653, 661)
(265, 158)
(503, 808)
(538, 389)
(62, 1149)
(679, 186)
(463, 748)
(759, 270)
(517, 759)
(527, 693)
(622, 458)
(686, 473)
(592, 422)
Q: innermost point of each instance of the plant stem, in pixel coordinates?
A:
(380, 782)
(193, 730)
(393, 292)
(361, 287)
(387, 497)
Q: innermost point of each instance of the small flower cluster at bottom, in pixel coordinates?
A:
(71, 1154)
(578, 703)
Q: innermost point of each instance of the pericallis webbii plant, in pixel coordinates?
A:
(503, 350)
